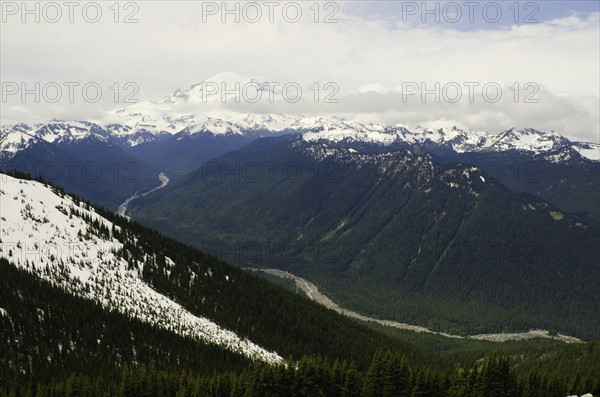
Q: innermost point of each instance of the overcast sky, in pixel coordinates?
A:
(373, 51)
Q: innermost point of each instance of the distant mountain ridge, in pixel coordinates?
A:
(182, 131)
(320, 129)
(193, 111)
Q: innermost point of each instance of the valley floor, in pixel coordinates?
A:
(164, 181)
(313, 293)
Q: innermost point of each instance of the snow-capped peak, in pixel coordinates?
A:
(21, 136)
(526, 139)
(455, 138)
(195, 110)
(14, 139)
(223, 87)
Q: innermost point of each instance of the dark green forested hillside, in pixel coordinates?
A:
(562, 177)
(392, 235)
(46, 331)
(55, 344)
(95, 169)
(59, 345)
(570, 185)
(267, 314)
(497, 375)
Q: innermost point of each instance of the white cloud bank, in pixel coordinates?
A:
(371, 60)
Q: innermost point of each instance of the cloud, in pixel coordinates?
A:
(369, 58)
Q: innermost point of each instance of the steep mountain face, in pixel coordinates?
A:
(14, 139)
(46, 330)
(562, 177)
(82, 158)
(78, 250)
(392, 234)
(156, 284)
(542, 163)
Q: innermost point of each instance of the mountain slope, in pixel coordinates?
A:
(184, 151)
(392, 234)
(562, 177)
(46, 330)
(191, 126)
(82, 158)
(86, 262)
(127, 268)
(154, 138)
(542, 163)
(61, 342)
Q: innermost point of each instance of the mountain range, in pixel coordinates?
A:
(111, 161)
(189, 113)
(92, 303)
(393, 234)
(395, 207)
(138, 274)
(135, 133)
(463, 232)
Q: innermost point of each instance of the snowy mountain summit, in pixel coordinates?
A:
(453, 138)
(225, 86)
(197, 110)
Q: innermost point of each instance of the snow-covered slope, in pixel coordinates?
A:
(140, 127)
(588, 150)
(459, 140)
(527, 139)
(50, 235)
(21, 136)
(14, 139)
(70, 131)
(197, 109)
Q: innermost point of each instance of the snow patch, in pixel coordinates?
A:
(43, 239)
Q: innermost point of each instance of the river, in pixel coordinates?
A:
(313, 293)
(164, 181)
